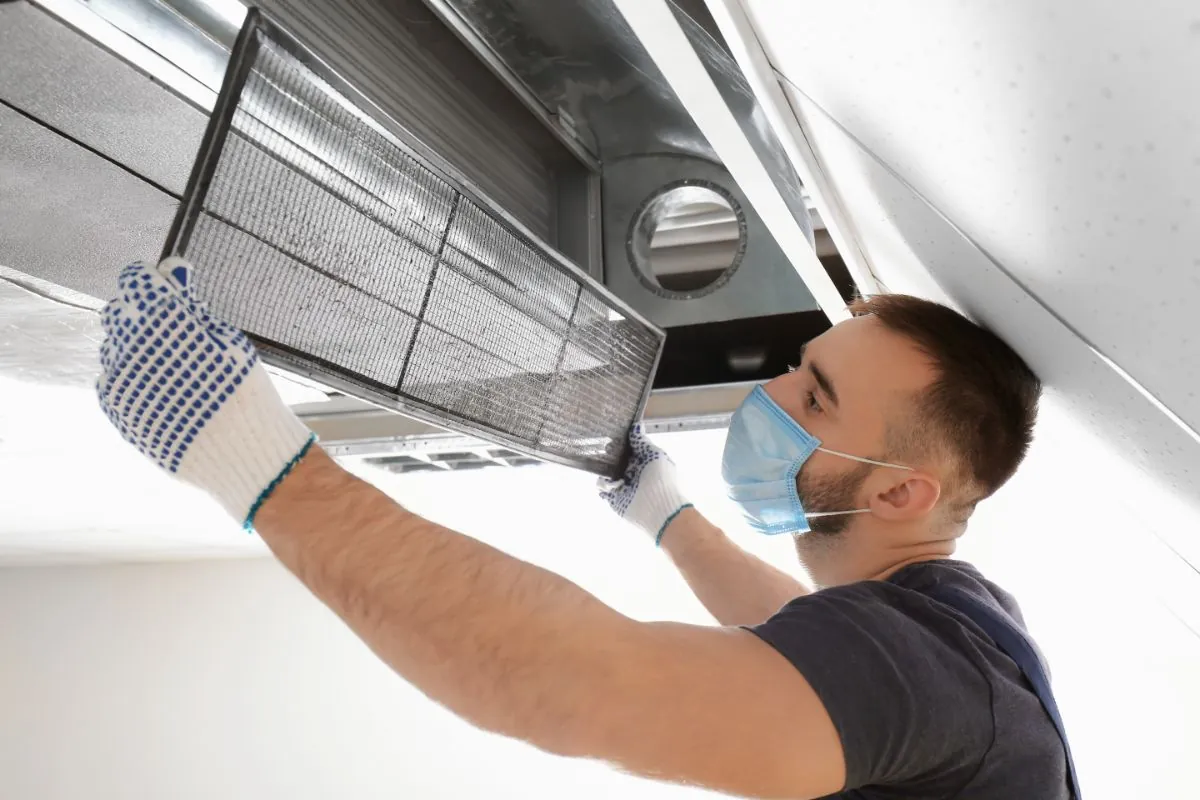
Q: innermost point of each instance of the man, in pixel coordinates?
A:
(895, 425)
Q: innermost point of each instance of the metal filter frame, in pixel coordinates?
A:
(258, 32)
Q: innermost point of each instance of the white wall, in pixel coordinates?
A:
(224, 679)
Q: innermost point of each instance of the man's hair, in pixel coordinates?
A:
(980, 408)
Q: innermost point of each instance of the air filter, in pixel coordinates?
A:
(352, 254)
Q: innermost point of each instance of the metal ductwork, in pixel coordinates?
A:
(583, 66)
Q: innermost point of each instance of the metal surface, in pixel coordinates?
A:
(675, 53)
(742, 41)
(687, 240)
(764, 283)
(396, 51)
(584, 65)
(451, 459)
(71, 84)
(199, 50)
(68, 215)
(350, 427)
(158, 63)
(353, 255)
(562, 125)
(743, 104)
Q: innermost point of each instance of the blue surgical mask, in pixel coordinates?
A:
(764, 452)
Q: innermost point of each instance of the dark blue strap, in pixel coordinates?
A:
(1013, 641)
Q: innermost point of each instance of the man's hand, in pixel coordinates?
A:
(648, 495)
(736, 587)
(189, 392)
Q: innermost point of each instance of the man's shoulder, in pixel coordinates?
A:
(925, 576)
(921, 697)
(907, 591)
(896, 674)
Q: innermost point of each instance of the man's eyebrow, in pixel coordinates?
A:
(821, 378)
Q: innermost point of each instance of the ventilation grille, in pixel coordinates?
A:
(452, 460)
(356, 257)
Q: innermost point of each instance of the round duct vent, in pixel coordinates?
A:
(687, 239)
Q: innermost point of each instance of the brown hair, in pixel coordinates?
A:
(981, 408)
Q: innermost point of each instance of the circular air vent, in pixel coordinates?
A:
(687, 239)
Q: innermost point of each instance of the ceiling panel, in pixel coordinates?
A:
(1063, 138)
(916, 250)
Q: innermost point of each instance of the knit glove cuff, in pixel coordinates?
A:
(242, 455)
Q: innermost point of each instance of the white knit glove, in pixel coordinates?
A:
(648, 496)
(189, 392)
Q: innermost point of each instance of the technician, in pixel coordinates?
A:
(904, 674)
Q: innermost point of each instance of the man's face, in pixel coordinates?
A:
(851, 380)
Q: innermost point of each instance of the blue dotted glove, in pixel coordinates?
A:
(648, 496)
(189, 392)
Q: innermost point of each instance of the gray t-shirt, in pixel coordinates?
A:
(924, 702)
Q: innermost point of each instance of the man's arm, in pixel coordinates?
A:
(523, 652)
(736, 587)
(511, 647)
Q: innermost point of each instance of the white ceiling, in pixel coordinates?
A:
(1062, 138)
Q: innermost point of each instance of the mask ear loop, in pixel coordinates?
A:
(861, 460)
(837, 513)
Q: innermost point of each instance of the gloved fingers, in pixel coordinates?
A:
(177, 272)
(129, 277)
(637, 435)
(156, 302)
(108, 355)
(138, 287)
(608, 486)
(643, 451)
(121, 330)
(142, 287)
(112, 318)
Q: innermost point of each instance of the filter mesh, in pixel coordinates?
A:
(350, 254)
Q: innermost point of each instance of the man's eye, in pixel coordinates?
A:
(814, 405)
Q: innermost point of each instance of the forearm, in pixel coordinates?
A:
(502, 643)
(736, 587)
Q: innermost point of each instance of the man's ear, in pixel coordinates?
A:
(912, 496)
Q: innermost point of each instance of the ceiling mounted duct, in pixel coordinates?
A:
(353, 254)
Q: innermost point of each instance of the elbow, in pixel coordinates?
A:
(569, 710)
(597, 711)
(570, 720)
